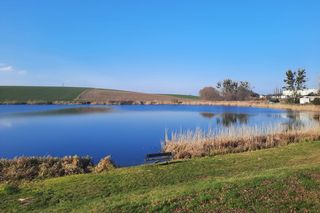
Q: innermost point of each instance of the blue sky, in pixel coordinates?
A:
(158, 46)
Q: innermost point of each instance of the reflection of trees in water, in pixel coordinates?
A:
(207, 114)
(316, 117)
(66, 111)
(294, 121)
(300, 119)
(227, 119)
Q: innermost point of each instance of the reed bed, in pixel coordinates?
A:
(259, 104)
(198, 143)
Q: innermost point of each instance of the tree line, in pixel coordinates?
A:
(228, 90)
(231, 90)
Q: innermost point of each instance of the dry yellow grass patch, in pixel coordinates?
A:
(198, 143)
(260, 104)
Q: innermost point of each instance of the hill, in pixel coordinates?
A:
(25, 94)
(184, 96)
(278, 180)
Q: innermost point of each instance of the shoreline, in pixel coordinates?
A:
(257, 104)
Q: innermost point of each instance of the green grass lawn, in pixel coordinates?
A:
(38, 94)
(277, 179)
(193, 97)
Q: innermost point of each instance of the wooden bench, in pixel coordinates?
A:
(158, 157)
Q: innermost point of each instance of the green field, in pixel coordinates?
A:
(273, 180)
(193, 97)
(21, 94)
(44, 95)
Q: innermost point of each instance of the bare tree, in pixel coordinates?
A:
(210, 94)
(234, 90)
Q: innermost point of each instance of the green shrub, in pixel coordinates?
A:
(293, 101)
(274, 100)
(316, 101)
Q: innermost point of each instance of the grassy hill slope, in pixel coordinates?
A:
(193, 97)
(28, 94)
(39, 94)
(278, 179)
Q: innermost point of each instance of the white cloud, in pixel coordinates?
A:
(6, 69)
(10, 69)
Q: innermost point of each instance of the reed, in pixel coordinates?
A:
(259, 104)
(234, 139)
(29, 168)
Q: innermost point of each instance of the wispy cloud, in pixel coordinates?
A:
(5, 68)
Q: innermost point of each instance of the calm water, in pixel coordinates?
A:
(126, 133)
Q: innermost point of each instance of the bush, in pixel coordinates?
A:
(316, 101)
(29, 168)
(105, 165)
(293, 101)
(210, 94)
(274, 100)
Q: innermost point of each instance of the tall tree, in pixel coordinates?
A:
(301, 79)
(290, 80)
(295, 81)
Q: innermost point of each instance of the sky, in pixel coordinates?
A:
(158, 46)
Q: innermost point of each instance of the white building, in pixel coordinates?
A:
(304, 92)
(308, 99)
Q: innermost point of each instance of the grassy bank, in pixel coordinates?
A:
(26, 94)
(278, 179)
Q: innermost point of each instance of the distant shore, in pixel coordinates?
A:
(258, 104)
(79, 95)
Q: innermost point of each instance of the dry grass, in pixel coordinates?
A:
(197, 143)
(105, 164)
(260, 104)
(103, 96)
(29, 168)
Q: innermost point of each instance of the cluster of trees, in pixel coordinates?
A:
(295, 81)
(229, 90)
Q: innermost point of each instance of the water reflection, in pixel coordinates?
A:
(66, 111)
(208, 115)
(316, 117)
(300, 119)
(228, 119)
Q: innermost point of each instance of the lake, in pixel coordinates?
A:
(127, 133)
